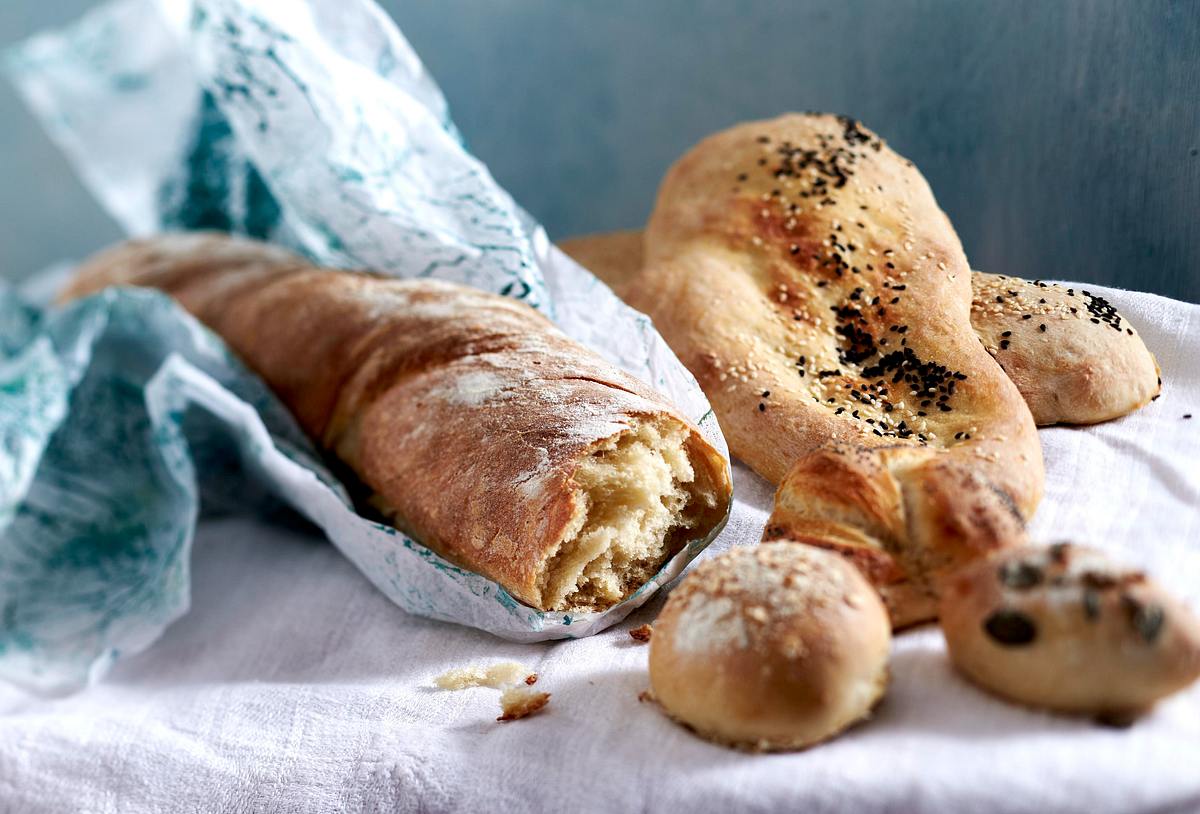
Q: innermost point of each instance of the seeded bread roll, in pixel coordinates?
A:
(773, 647)
(1066, 629)
(477, 426)
(1074, 358)
(804, 273)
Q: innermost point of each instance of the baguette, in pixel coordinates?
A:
(1072, 356)
(804, 273)
(475, 425)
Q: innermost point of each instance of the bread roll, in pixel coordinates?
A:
(1067, 629)
(773, 647)
(476, 425)
(1072, 356)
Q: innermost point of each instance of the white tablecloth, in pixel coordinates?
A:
(292, 685)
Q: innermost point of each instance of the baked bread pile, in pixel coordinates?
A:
(472, 422)
(804, 273)
(783, 645)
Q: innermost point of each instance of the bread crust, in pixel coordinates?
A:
(1088, 365)
(1074, 358)
(465, 414)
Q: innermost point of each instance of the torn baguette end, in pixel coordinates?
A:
(641, 495)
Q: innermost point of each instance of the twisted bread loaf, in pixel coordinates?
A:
(804, 273)
(479, 427)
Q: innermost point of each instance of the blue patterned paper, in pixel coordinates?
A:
(311, 124)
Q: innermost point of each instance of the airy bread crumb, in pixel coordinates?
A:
(497, 676)
(638, 497)
(520, 702)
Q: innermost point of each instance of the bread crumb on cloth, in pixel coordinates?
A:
(520, 702)
(517, 700)
(497, 676)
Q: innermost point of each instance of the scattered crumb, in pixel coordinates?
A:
(497, 676)
(641, 634)
(531, 679)
(645, 696)
(520, 702)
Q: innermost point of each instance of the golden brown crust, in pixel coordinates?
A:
(774, 647)
(465, 413)
(805, 275)
(1067, 629)
(1088, 365)
(1072, 356)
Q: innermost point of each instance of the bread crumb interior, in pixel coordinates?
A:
(638, 496)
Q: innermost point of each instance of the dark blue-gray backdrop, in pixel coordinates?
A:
(1062, 137)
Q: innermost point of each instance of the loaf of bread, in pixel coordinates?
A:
(804, 273)
(1074, 358)
(1067, 629)
(772, 647)
(474, 424)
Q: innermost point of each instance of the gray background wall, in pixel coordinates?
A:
(1062, 136)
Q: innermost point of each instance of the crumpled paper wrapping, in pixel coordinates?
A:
(312, 124)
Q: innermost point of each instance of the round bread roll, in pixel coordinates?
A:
(774, 647)
(1067, 629)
